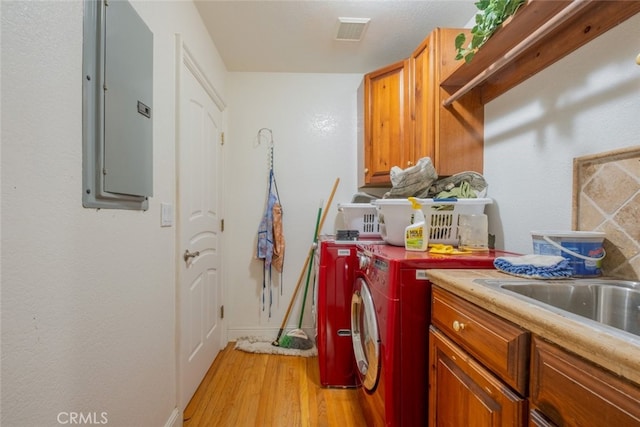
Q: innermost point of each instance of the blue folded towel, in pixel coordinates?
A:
(535, 266)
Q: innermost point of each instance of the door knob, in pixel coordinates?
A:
(188, 255)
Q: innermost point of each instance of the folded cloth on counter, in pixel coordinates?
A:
(462, 191)
(411, 181)
(440, 188)
(535, 266)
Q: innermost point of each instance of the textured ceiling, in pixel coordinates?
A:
(299, 36)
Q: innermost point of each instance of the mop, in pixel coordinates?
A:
(297, 338)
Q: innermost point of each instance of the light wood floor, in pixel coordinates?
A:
(249, 389)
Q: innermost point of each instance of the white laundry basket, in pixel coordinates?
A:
(362, 217)
(394, 215)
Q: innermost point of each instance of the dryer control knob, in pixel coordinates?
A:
(364, 261)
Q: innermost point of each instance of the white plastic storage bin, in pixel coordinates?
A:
(362, 217)
(394, 215)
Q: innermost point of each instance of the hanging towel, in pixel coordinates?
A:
(270, 246)
(278, 238)
(535, 266)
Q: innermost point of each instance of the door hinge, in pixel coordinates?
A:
(222, 311)
(222, 138)
(221, 225)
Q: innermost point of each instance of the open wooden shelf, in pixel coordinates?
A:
(593, 19)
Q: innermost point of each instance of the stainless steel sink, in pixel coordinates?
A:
(615, 303)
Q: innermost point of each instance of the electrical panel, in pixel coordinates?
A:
(117, 107)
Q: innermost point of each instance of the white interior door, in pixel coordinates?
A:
(200, 293)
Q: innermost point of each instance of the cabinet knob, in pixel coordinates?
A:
(366, 171)
(458, 326)
(638, 59)
(409, 163)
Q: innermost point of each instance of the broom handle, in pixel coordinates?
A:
(313, 249)
(326, 209)
(310, 263)
(304, 267)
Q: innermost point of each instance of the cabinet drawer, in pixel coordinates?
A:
(571, 391)
(498, 344)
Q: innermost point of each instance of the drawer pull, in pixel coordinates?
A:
(458, 326)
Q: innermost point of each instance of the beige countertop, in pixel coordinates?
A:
(617, 352)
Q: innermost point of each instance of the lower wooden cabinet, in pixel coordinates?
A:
(487, 371)
(567, 390)
(501, 346)
(464, 393)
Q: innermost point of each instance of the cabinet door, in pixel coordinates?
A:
(423, 101)
(498, 344)
(386, 122)
(463, 393)
(569, 391)
(452, 136)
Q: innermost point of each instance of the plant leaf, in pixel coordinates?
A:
(491, 14)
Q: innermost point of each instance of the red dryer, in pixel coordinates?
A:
(336, 272)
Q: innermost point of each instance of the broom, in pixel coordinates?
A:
(297, 338)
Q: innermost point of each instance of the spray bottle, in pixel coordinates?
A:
(416, 236)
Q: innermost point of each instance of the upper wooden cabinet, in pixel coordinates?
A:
(452, 136)
(403, 118)
(387, 123)
(438, 101)
(539, 34)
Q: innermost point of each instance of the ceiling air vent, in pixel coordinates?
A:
(351, 29)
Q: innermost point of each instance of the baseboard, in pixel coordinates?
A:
(175, 420)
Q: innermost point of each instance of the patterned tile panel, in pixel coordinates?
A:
(607, 198)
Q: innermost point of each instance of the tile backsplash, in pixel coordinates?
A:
(606, 198)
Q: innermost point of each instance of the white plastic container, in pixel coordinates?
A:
(441, 215)
(583, 249)
(473, 231)
(362, 217)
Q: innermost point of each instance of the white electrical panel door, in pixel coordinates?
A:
(117, 96)
(128, 148)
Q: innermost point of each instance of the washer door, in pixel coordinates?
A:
(365, 336)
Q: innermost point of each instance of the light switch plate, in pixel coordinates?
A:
(166, 214)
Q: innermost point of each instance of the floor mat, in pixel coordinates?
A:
(263, 345)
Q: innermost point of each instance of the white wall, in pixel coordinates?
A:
(88, 296)
(313, 119)
(587, 103)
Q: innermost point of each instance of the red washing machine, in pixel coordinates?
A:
(390, 316)
(337, 264)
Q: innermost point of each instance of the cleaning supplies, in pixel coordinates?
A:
(416, 235)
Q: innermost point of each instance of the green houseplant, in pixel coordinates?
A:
(492, 13)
